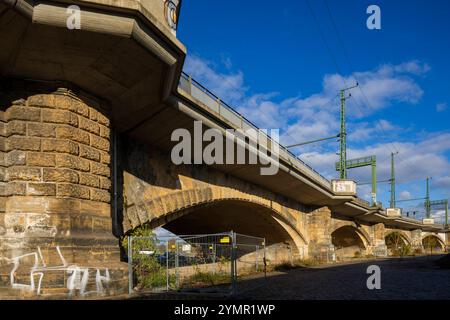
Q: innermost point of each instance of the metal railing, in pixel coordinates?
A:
(238, 121)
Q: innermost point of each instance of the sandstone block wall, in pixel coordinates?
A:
(153, 188)
(55, 216)
(320, 245)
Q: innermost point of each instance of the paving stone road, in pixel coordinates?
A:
(407, 278)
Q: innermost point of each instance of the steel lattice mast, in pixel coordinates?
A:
(392, 180)
(343, 136)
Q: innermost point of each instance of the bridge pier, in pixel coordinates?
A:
(55, 220)
(320, 244)
(378, 247)
(416, 241)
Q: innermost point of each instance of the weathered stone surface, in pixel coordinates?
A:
(59, 116)
(39, 159)
(72, 190)
(23, 174)
(100, 195)
(15, 188)
(15, 158)
(23, 113)
(103, 119)
(72, 162)
(89, 180)
(60, 175)
(73, 134)
(89, 125)
(15, 128)
(42, 100)
(105, 157)
(18, 143)
(41, 189)
(99, 143)
(100, 169)
(60, 145)
(89, 153)
(49, 200)
(105, 132)
(105, 183)
(41, 130)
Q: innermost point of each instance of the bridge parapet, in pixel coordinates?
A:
(237, 121)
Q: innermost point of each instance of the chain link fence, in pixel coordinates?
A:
(208, 263)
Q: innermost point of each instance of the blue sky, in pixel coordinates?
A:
(282, 63)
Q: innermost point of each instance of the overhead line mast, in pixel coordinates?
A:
(343, 136)
(392, 204)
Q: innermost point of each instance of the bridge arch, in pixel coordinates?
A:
(349, 241)
(397, 242)
(210, 210)
(404, 236)
(433, 243)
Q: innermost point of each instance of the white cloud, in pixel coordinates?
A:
(442, 182)
(414, 67)
(405, 195)
(228, 86)
(440, 107)
(317, 116)
(363, 131)
(414, 161)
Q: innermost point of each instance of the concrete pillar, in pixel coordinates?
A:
(55, 218)
(320, 245)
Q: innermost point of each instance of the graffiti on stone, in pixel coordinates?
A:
(78, 277)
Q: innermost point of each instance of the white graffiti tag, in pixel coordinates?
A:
(78, 278)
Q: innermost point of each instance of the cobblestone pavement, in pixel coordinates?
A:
(407, 278)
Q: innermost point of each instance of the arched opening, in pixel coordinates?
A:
(433, 244)
(397, 244)
(193, 254)
(348, 243)
(241, 217)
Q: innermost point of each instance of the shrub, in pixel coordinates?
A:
(147, 271)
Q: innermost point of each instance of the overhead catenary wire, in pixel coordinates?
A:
(379, 127)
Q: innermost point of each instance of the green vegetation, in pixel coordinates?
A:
(397, 245)
(204, 278)
(148, 272)
(430, 243)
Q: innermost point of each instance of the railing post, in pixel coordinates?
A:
(256, 258)
(130, 264)
(264, 258)
(167, 265)
(177, 264)
(233, 262)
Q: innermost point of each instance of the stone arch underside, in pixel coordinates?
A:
(433, 243)
(396, 241)
(349, 241)
(211, 210)
(404, 237)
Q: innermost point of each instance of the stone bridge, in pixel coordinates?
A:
(86, 118)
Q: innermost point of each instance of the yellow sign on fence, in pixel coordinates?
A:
(225, 239)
